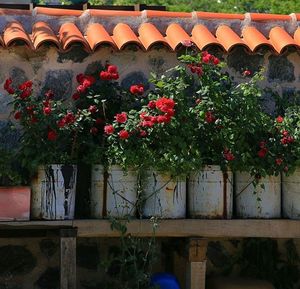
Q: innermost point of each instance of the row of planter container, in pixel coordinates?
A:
(207, 194)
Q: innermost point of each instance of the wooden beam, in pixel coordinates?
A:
(196, 266)
(195, 228)
(36, 225)
(68, 259)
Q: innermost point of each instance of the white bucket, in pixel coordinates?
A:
(53, 192)
(165, 196)
(257, 201)
(291, 195)
(210, 193)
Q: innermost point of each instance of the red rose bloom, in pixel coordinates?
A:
(279, 119)
(94, 130)
(47, 110)
(80, 78)
(151, 104)
(93, 109)
(216, 61)
(147, 123)
(109, 129)
(124, 134)
(278, 161)
(246, 73)
(25, 93)
(143, 133)
(164, 104)
(121, 117)
(49, 94)
(206, 58)
(285, 133)
(114, 76)
(104, 75)
(70, 118)
(61, 123)
(25, 85)
(76, 96)
(52, 135)
(228, 155)
(7, 83)
(137, 89)
(112, 69)
(262, 152)
(209, 117)
(10, 90)
(17, 115)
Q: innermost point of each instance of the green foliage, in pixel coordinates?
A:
(230, 6)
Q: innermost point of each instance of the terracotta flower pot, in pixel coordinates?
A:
(15, 203)
(53, 192)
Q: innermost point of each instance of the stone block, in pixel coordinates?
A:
(280, 69)
(49, 279)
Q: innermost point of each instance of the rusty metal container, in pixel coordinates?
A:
(262, 201)
(53, 192)
(210, 193)
(291, 195)
(15, 203)
(165, 196)
(113, 193)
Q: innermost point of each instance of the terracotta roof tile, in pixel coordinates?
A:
(15, 32)
(175, 34)
(97, 35)
(123, 35)
(69, 34)
(228, 38)
(254, 39)
(280, 39)
(93, 28)
(149, 36)
(42, 33)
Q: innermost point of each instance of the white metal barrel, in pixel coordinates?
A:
(121, 192)
(260, 201)
(210, 193)
(165, 196)
(53, 192)
(291, 195)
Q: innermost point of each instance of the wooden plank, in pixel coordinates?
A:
(49, 225)
(196, 272)
(195, 228)
(68, 259)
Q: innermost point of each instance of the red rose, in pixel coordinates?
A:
(121, 117)
(70, 118)
(99, 121)
(147, 123)
(61, 123)
(279, 119)
(137, 89)
(81, 88)
(88, 81)
(25, 93)
(170, 112)
(285, 133)
(187, 43)
(7, 83)
(124, 134)
(278, 161)
(206, 58)
(151, 104)
(52, 135)
(290, 139)
(262, 152)
(114, 76)
(109, 129)
(47, 110)
(164, 104)
(33, 119)
(104, 75)
(228, 155)
(163, 119)
(146, 117)
(17, 115)
(49, 94)
(246, 73)
(94, 130)
(76, 96)
(93, 109)
(209, 117)
(216, 61)
(112, 69)
(10, 90)
(80, 78)
(143, 133)
(25, 85)
(154, 119)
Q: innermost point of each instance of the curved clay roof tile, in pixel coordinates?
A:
(42, 33)
(228, 38)
(13, 32)
(123, 35)
(175, 35)
(202, 37)
(253, 38)
(280, 39)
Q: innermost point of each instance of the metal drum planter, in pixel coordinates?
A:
(165, 197)
(261, 201)
(53, 192)
(291, 195)
(210, 193)
(15, 203)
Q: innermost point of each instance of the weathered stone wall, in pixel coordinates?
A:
(34, 263)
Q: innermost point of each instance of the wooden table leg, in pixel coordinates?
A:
(68, 258)
(196, 267)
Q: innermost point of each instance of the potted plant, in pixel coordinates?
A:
(288, 159)
(98, 99)
(14, 195)
(48, 150)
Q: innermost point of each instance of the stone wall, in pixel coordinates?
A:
(34, 263)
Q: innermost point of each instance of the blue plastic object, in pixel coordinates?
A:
(165, 281)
